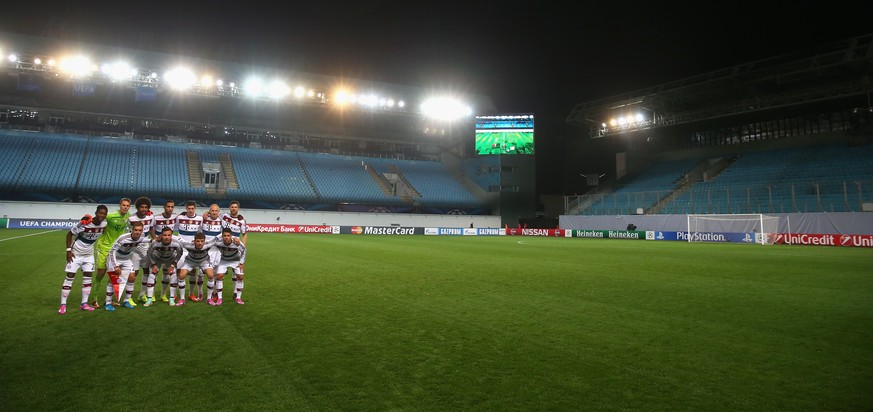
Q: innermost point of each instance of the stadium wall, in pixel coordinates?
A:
(38, 210)
(846, 223)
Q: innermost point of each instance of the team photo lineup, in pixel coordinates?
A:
(182, 248)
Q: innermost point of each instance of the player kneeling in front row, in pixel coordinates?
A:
(233, 256)
(163, 251)
(80, 254)
(197, 257)
(124, 260)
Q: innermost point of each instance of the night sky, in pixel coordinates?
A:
(535, 56)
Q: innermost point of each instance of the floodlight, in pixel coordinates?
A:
(118, 70)
(206, 81)
(180, 78)
(445, 108)
(401, 104)
(340, 97)
(37, 61)
(299, 91)
(76, 66)
(622, 121)
(278, 89)
(639, 118)
(390, 102)
(219, 82)
(13, 58)
(253, 87)
(310, 93)
(51, 62)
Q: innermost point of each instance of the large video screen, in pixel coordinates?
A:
(505, 134)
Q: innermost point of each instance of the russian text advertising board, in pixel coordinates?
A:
(273, 228)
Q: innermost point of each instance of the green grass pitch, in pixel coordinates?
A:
(503, 142)
(345, 322)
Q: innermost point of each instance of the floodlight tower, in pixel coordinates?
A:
(447, 119)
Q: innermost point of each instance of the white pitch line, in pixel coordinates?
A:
(32, 234)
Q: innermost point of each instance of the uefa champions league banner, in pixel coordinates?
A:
(41, 223)
(703, 237)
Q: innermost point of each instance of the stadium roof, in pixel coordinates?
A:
(156, 62)
(834, 71)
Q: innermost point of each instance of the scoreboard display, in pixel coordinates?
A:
(505, 134)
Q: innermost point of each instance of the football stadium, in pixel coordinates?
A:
(398, 255)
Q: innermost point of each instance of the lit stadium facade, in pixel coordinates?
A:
(214, 114)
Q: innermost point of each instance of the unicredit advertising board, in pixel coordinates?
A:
(823, 239)
(273, 228)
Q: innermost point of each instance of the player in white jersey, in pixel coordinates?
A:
(80, 255)
(233, 256)
(235, 222)
(197, 257)
(123, 258)
(164, 251)
(143, 215)
(166, 219)
(237, 225)
(212, 226)
(189, 224)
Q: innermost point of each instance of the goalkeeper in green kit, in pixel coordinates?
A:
(116, 226)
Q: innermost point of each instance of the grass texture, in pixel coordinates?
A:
(421, 323)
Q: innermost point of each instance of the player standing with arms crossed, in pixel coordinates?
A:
(212, 226)
(188, 225)
(166, 219)
(144, 215)
(237, 225)
(164, 251)
(80, 254)
(233, 256)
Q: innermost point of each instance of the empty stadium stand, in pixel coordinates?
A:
(816, 178)
(39, 164)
